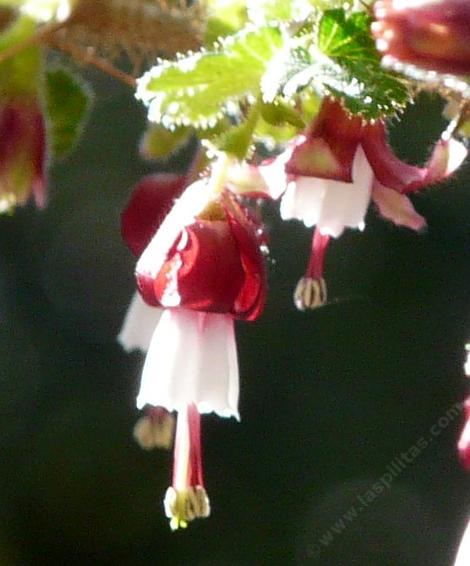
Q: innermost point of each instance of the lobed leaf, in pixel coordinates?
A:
(67, 104)
(197, 89)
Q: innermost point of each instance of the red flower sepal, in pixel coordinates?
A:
(151, 200)
(430, 34)
(205, 257)
(329, 145)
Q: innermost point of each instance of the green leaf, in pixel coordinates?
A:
(20, 75)
(343, 62)
(160, 143)
(238, 140)
(67, 105)
(280, 122)
(350, 68)
(340, 35)
(364, 87)
(197, 89)
(224, 18)
(279, 113)
(270, 134)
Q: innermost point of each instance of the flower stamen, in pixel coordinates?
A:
(311, 291)
(187, 499)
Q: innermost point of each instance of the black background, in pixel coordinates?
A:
(329, 398)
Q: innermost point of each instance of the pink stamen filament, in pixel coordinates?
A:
(195, 452)
(317, 255)
(187, 467)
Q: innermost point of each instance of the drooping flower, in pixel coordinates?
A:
(202, 264)
(428, 33)
(22, 153)
(329, 174)
(205, 264)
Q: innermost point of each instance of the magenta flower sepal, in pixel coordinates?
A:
(447, 156)
(427, 33)
(328, 147)
(206, 257)
(396, 207)
(152, 198)
(23, 154)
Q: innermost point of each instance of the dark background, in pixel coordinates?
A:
(329, 398)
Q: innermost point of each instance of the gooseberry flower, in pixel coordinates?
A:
(23, 147)
(432, 34)
(205, 264)
(22, 153)
(329, 174)
(202, 264)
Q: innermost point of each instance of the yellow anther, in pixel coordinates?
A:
(183, 506)
(310, 293)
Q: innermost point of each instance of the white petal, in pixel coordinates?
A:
(274, 174)
(463, 556)
(303, 200)
(331, 205)
(345, 204)
(139, 324)
(192, 359)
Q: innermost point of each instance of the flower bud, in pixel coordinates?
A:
(433, 34)
(22, 154)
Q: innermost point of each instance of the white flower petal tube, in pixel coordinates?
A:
(192, 358)
(139, 324)
(331, 205)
